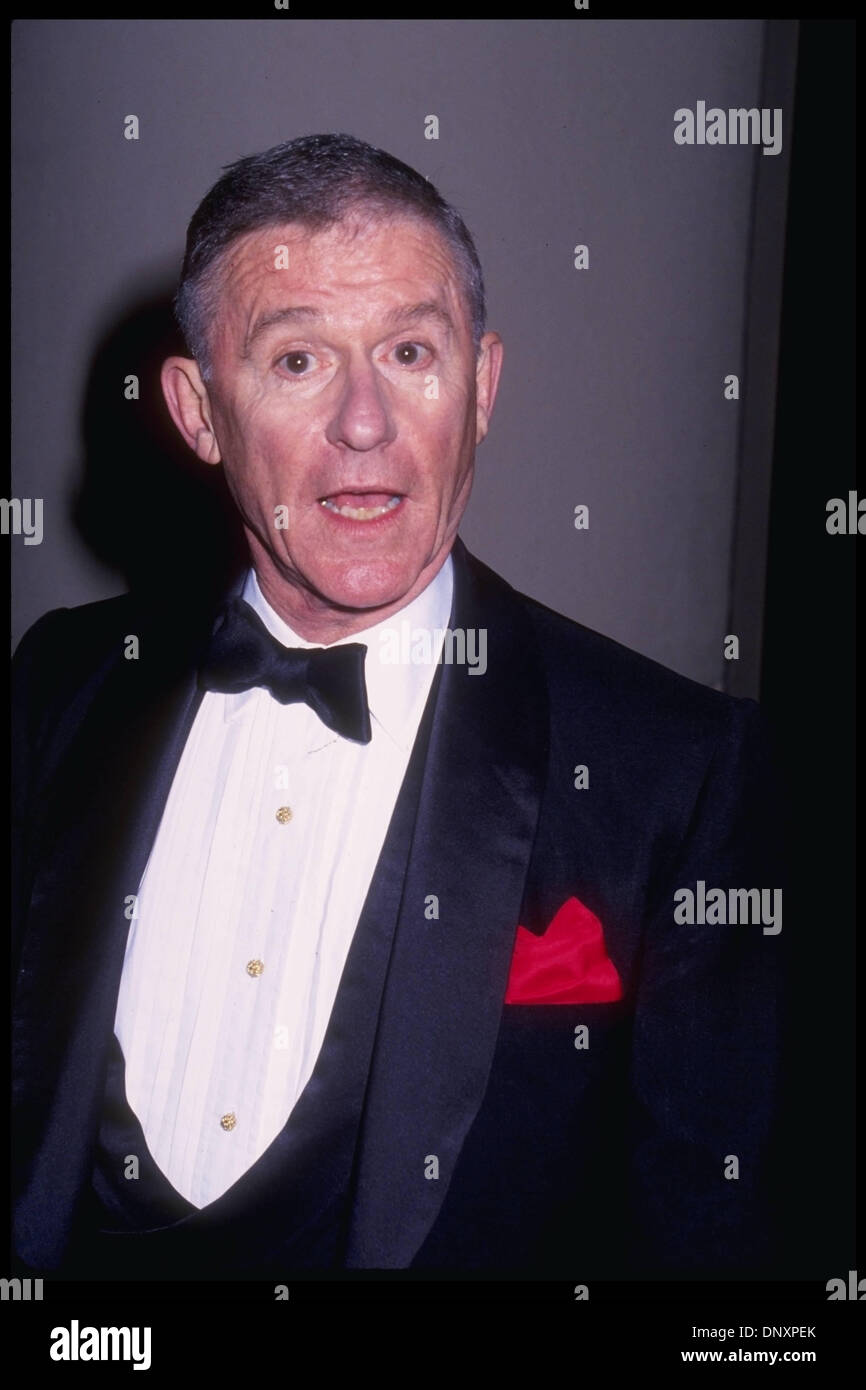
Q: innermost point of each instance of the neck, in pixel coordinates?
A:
(312, 618)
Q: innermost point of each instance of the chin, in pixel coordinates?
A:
(369, 586)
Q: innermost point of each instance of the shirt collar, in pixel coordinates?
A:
(402, 652)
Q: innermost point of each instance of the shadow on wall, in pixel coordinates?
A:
(146, 505)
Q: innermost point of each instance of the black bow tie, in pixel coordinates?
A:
(243, 653)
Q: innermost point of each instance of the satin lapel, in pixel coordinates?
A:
(100, 817)
(444, 994)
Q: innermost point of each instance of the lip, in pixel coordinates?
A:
(357, 522)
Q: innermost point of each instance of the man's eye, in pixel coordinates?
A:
(408, 354)
(296, 362)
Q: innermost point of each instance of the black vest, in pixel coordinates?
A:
(289, 1211)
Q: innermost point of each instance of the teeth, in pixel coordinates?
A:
(361, 513)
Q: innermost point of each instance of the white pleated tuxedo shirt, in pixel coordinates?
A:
(249, 901)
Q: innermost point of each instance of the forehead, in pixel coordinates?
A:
(361, 265)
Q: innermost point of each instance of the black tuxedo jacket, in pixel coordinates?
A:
(640, 1154)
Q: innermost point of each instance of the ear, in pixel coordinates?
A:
(187, 400)
(487, 370)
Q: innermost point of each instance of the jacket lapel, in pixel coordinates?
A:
(461, 904)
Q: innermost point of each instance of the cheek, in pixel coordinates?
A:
(261, 446)
(445, 434)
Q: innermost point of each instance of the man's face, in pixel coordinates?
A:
(346, 402)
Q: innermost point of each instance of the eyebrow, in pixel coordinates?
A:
(404, 316)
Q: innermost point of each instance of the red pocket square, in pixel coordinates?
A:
(567, 965)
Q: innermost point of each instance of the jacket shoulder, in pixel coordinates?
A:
(63, 659)
(87, 629)
(67, 645)
(664, 749)
(605, 686)
(577, 657)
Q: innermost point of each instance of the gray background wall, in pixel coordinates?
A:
(551, 133)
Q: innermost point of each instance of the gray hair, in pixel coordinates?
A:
(315, 181)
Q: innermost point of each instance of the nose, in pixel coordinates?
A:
(361, 418)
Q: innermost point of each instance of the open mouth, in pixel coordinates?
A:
(361, 506)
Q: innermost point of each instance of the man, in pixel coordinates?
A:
(342, 958)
